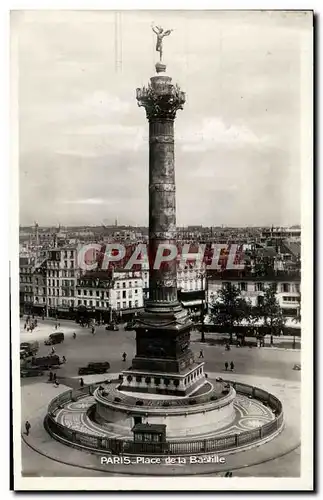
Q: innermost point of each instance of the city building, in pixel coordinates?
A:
(62, 273)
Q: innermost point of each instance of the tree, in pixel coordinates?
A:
(230, 309)
(271, 313)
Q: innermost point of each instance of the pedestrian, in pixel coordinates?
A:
(27, 427)
(25, 326)
(74, 335)
(59, 325)
(124, 356)
(226, 364)
(54, 377)
(232, 366)
(81, 382)
(50, 376)
(93, 329)
(56, 383)
(64, 359)
(53, 350)
(201, 354)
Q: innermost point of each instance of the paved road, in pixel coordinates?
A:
(109, 346)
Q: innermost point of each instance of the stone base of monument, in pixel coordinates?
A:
(220, 417)
(208, 408)
(177, 384)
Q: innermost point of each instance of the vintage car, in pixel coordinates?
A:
(55, 338)
(93, 368)
(45, 362)
(34, 371)
(30, 348)
(113, 327)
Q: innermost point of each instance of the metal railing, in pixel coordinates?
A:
(101, 444)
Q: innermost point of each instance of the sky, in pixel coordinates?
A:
(83, 141)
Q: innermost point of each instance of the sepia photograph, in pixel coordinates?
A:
(161, 294)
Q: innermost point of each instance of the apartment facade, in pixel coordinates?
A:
(288, 289)
(61, 276)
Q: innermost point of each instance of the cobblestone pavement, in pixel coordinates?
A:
(250, 414)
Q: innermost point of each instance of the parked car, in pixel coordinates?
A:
(55, 338)
(113, 327)
(93, 368)
(31, 348)
(34, 371)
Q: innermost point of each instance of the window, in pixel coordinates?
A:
(130, 294)
(102, 304)
(259, 287)
(97, 303)
(97, 293)
(285, 288)
(297, 287)
(124, 304)
(117, 284)
(118, 305)
(57, 283)
(65, 254)
(91, 293)
(260, 300)
(124, 294)
(130, 284)
(290, 299)
(124, 284)
(243, 286)
(130, 304)
(65, 263)
(91, 303)
(85, 292)
(136, 291)
(225, 284)
(72, 263)
(118, 295)
(85, 302)
(72, 293)
(136, 303)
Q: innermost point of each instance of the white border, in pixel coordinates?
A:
(173, 483)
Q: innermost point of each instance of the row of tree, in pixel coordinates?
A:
(230, 310)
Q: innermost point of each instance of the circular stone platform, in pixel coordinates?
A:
(254, 416)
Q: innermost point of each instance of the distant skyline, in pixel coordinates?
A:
(83, 142)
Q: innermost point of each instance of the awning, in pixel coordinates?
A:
(192, 303)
